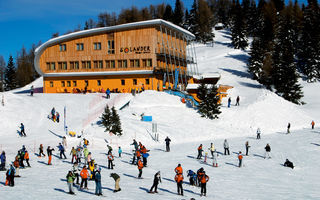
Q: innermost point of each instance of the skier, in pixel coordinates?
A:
(167, 140)
(214, 157)
(110, 159)
(26, 157)
(20, 158)
(145, 155)
(135, 144)
(258, 133)
(31, 90)
(268, 150)
(247, 147)
(119, 152)
(199, 152)
(238, 101)
(85, 142)
(140, 166)
(199, 175)
(288, 128)
(61, 149)
(17, 167)
(212, 149)
(116, 178)
(41, 151)
(179, 179)
(3, 161)
(240, 157)
(76, 172)
(22, 130)
(226, 147)
(57, 117)
(109, 149)
(87, 158)
(108, 93)
(97, 179)
(288, 164)
(312, 124)
(79, 154)
(49, 152)
(192, 177)
(91, 168)
(156, 180)
(229, 102)
(11, 174)
(178, 169)
(203, 183)
(134, 156)
(70, 178)
(84, 177)
(73, 153)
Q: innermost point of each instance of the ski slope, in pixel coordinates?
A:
(258, 179)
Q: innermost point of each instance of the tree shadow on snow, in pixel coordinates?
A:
(251, 85)
(165, 190)
(227, 44)
(315, 144)
(129, 175)
(42, 162)
(61, 190)
(53, 133)
(257, 155)
(232, 164)
(237, 72)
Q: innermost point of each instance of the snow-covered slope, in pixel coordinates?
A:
(259, 179)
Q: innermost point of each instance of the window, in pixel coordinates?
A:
(147, 81)
(86, 64)
(97, 46)
(98, 64)
(123, 82)
(63, 84)
(79, 46)
(53, 66)
(134, 81)
(74, 83)
(63, 47)
(122, 64)
(62, 65)
(68, 83)
(99, 82)
(48, 65)
(110, 64)
(110, 46)
(51, 83)
(146, 62)
(135, 63)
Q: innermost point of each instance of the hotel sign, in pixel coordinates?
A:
(137, 50)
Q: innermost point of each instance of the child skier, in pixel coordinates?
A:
(268, 150)
(178, 169)
(240, 157)
(70, 178)
(214, 157)
(156, 180)
(76, 172)
(116, 178)
(119, 152)
(199, 152)
(258, 133)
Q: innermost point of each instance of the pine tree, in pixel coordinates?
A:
(168, 13)
(178, 13)
(214, 106)
(116, 123)
(10, 81)
(208, 106)
(2, 70)
(238, 29)
(255, 61)
(106, 119)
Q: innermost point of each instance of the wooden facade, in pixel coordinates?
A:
(150, 55)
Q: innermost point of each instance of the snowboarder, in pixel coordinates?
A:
(240, 157)
(70, 179)
(110, 160)
(26, 157)
(140, 166)
(156, 180)
(73, 153)
(179, 179)
(3, 161)
(258, 134)
(97, 179)
(178, 169)
(192, 177)
(312, 124)
(108, 93)
(288, 128)
(119, 152)
(84, 177)
(199, 152)
(22, 130)
(41, 151)
(238, 101)
(116, 178)
(247, 147)
(76, 172)
(229, 102)
(268, 150)
(226, 147)
(61, 149)
(214, 158)
(212, 149)
(203, 183)
(288, 164)
(49, 152)
(31, 90)
(167, 140)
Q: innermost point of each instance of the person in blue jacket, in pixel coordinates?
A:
(119, 151)
(192, 177)
(22, 130)
(62, 150)
(97, 179)
(108, 93)
(3, 161)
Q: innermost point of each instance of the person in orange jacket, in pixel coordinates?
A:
(312, 124)
(110, 159)
(199, 152)
(203, 183)
(140, 166)
(240, 158)
(41, 151)
(26, 157)
(49, 152)
(178, 169)
(84, 177)
(179, 179)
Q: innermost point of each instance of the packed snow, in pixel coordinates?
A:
(259, 178)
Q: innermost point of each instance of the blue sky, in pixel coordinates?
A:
(24, 22)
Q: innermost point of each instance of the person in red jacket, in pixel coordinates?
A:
(178, 169)
(140, 166)
(179, 179)
(110, 160)
(199, 152)
(240, 158)
(203, 183)
(84, 177)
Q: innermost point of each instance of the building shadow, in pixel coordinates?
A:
(36, 90)
(237, 72)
